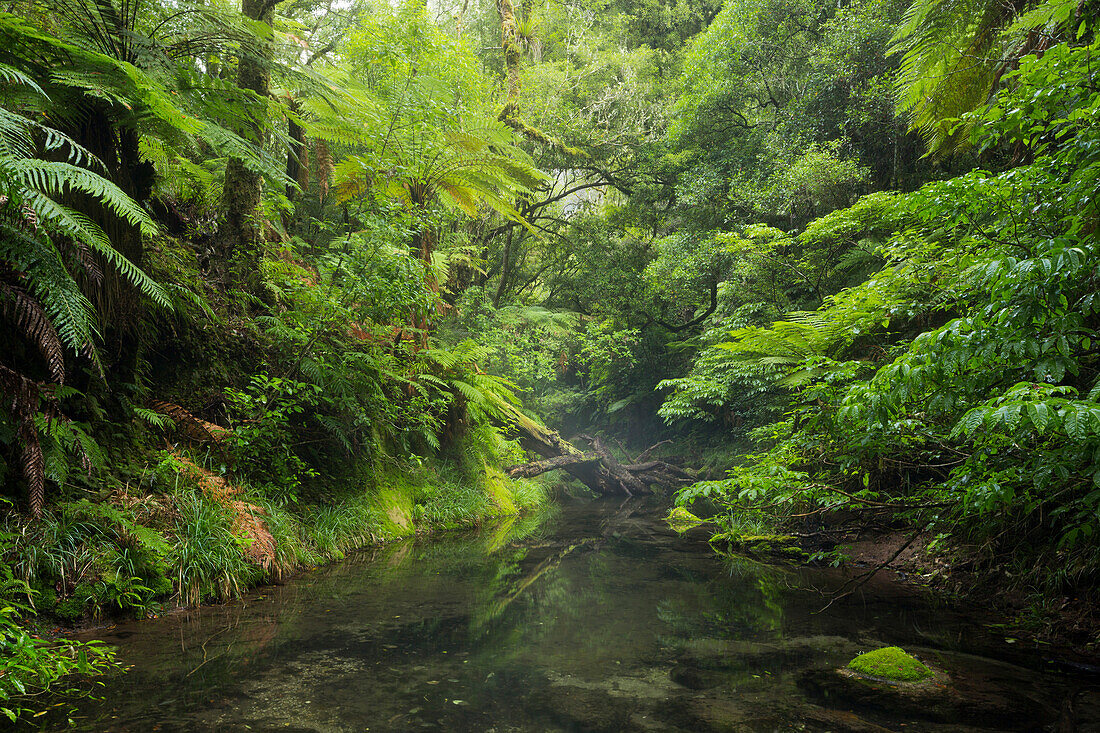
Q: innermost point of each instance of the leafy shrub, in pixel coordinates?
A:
(30, 666)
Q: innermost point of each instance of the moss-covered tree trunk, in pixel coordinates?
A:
(297, 158)
(509, 41)
(240, 235)
(118, 301)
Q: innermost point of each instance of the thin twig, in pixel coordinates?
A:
(860, 580)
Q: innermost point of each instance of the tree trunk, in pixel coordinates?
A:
(239, 241)
(297, 156)
(513, 54)
(118, 302)
(505, 266)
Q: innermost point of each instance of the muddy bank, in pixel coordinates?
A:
(1065, 630)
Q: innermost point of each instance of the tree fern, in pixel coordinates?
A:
(42, 244)
(953, 52)
(70, 312)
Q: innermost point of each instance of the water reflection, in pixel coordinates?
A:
(594, 617)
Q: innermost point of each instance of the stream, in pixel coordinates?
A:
(593, 616)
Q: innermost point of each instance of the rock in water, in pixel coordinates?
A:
(890, 663)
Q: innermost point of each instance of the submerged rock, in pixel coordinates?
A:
(959, 689)
(581, 709)
(695, 678)
(838, 721)
(721, 714)
(742, 654)
(775, 546)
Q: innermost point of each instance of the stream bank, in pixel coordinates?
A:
(1069, 628)
(594, 617)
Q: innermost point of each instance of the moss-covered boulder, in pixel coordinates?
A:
(681, 520)
(890, 663)
(953, 688)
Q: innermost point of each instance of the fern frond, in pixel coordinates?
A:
(70, 311)
(467, 390)
(154, 418)
(32, 320)
(78, 226)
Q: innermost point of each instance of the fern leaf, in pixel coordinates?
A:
(31, 318)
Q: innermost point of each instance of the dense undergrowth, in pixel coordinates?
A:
(177, 510)
(954, 391)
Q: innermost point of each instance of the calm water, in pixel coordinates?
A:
(595, 618)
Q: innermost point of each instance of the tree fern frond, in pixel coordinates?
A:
(470, 392)
(33, 322)
(54, 178)
(70, 311)
(951, 51)
(25, 396)
(80, 227)
(12, 75)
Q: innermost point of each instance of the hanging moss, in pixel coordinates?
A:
(890, 663)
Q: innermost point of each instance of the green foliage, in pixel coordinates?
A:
(100, 558)
(206, 556)
(750, 234)
(334, 530)
(955, 52)
(960, 385)
(261, 439)
(31, 666)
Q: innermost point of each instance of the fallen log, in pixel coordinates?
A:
(598, 469)
(534, 468)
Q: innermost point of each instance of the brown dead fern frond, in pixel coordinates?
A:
(194, 428)
(33, 324)
(86, 260)
(26, 396)
(247, 520)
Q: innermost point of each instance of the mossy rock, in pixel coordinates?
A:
(681, 520)
(770, 545)
(959, 689)
(45, 598)
(161, 586)
(73, 608)
(890, 663)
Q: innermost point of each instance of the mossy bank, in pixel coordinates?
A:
(188, 536)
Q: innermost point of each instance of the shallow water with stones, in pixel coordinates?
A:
(594, 616)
